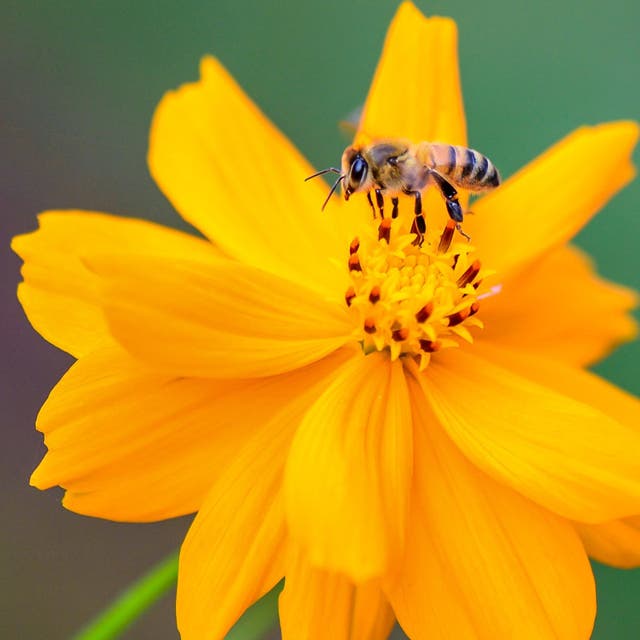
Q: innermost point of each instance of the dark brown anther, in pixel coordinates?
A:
(477, 284)
(455, 261)
(354, 246)
(424, 314)
(469, 275)
(446, 237)
(458, 317)
(400, 334)
(430, 346)
(349, 296)
(384, 230)
(369, 325)
(374, 296)
(474, 308)
(354, 263)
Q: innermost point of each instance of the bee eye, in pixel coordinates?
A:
(358, 170)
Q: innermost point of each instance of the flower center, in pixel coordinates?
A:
(413, 300)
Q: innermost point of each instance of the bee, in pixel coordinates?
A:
(397, 166)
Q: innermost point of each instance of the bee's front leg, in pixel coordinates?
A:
(373, 209)
(419, 226)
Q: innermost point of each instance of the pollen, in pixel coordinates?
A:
(413, 300)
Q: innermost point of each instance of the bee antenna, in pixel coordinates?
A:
(333, 188)
(321, 173)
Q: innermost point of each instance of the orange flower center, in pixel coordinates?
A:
(413, 300)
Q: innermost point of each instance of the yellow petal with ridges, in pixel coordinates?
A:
(483, 562)
(572, 381)
(349, 469)
(60, 295)
(415, 92)
(548, 201)
(131, 444)
(560, 309)
(233, 175)
(222, 319)
(236, 549)
(316, 605)
(566, 455)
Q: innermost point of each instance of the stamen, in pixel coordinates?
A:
(474, 308)
(430, 346)
(384, 230)
(424, 314)
(400, 335)
(469, 275)
(446, 237)
(354, 262)
(369, 325)
(354, 246)
(374, 296)
(458, 317)
(349, 296)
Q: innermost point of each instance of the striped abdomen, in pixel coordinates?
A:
(465, 168)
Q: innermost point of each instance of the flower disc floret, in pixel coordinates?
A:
(413, 300)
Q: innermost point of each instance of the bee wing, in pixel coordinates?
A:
(348, 126)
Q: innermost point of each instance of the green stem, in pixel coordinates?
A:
(133, 602)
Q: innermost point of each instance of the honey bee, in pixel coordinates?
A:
(397, 166)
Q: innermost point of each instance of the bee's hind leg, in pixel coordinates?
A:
(380, 202)
(452, 203)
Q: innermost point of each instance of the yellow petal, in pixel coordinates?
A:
(416, 91)
(129, 444)
(234, 176)
(616, 543)
(547, 202)
(583, 386)
(316, 605)
(483, 562)
(349, 468)
(59, 293)
(564, 454)
(560, 309)
(235, 550)
(222, 319)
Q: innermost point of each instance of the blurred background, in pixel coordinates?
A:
(80, 80)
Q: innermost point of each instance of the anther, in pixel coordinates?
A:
(384, 230)
(430, 346)
(369, 325)
(469, 275)
(458, 317)
(446, 237)
(424, 313)
(374, 295)
(349, 296)
(400, 334)
(354, 246)
(354, 263)
(474, 308)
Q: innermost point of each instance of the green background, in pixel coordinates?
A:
(79, 85)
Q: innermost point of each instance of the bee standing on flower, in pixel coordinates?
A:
(396, 166)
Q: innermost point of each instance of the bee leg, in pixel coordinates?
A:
(394, 211)
(419, 226)
(380, 201)
(452, 203)
(373, 209)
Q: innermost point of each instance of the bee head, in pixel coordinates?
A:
(355, 170)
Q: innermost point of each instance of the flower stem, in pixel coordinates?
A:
(133, 602)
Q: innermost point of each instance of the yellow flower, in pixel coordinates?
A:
(309, 406)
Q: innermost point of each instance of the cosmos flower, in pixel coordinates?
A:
(401, 432)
